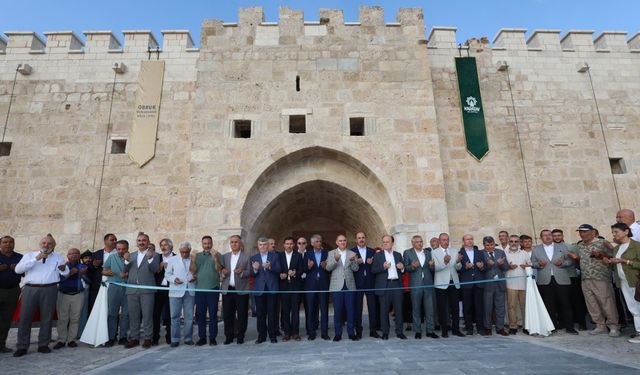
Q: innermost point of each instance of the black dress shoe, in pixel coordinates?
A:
(227, 341)
(326, 337)
(174, 344)
(122, 342)
(470, 332)
(260, 340)
(337, 338)
(312, 337)
(4, 349)
(274, 340)
(44, 349)
(109, 343)
(72, 344)
(359, 335)
(432, 335)
(445, 334)
(201, 342)
(401, 336)
(240, 340)
(19, 352)
(459, 334)
(213, 342)
(374, 334)
(571, 331)
(190, 343)
(513, 331)
(354, 337)
(418, 336)
(59, 345)
(385, 336)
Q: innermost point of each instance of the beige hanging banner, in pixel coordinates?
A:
(142, 144)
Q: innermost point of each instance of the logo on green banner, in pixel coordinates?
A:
(475, 131)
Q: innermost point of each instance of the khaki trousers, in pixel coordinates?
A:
(601, 303)
(69, 309)
(515, 297)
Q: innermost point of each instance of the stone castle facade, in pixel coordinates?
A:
(298, 127)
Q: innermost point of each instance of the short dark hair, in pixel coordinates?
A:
(123, 242)
(488, 239)
(556, 230)
(545, 230)
(206, 237)
(503, 231)
(143, 234)
(623, 227)
(6, 236)
(525, 237)
(393, 240)
(108, 235)
(289, 239)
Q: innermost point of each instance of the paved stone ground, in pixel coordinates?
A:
(520, 354)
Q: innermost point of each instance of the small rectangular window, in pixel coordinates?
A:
(5, 148)
(118, 146)
(617, 166)
(356, 126)
(297, 124)
(241, 128)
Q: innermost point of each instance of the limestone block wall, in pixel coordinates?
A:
(58, 126)
(564, 151)
(365, 69)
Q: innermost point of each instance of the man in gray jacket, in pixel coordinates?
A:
(419, 264)
(142, 266)
(341, 262)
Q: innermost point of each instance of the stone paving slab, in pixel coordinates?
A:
(520, 354)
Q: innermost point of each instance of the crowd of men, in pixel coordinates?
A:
(147, 290)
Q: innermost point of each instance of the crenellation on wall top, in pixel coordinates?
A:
(101, 41)
(442, 37)
(24, 42)
(545, 39)
(63, 40)
(578, 40)
(510, 38)
(613, 41)
(634, 42)
(176, 40)
(139, 40)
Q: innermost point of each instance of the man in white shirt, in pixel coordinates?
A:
(235, 278)
(181, 294)
(516, 283)
(628, 217)
(447, 285)
(42, 271)
(388, 267)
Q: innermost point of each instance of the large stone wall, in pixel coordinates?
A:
(409, 174)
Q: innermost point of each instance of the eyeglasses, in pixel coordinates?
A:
(514, 241)
(302, 243)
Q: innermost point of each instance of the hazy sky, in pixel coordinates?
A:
(472, 18)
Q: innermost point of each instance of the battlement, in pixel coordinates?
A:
(543, 40)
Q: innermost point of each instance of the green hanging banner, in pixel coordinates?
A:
(475, 131)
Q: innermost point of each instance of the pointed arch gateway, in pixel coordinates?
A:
(317, 190)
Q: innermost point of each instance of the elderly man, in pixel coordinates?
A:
(628, 217)
(9, 287)
(141, 270)
(235, 278)
(317, 281)
(516, 282)
(552, 260)
(341, 262)
(389, 268)
(161, 314)
(596, 281)
(419, 264)
(118, 313)
(206, 267)
(42, 269)
(265, 269)
(447, 285)
(70, 300)
(181, 281)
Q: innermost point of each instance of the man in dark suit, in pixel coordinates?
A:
(495, 265)
(290, 281)
(365, 280)
(472, 294)
(235, 278)
(161, 314)
(317, 282)
(419, 264)
(265, 269)
(389, 268)
(95, 270)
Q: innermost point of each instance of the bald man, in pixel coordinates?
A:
(628, 217)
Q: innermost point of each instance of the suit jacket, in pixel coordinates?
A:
(293, 282)
(630, 270)
(316, 277)
(382, 275)
(496, 271)
(241, 280)
(341, 274)
(175, 269)
(265, 279)
(364, 277)
(443, 273)
(472, 274)
(96, 272)
(145, 274)
(421, 275)
(560, 273)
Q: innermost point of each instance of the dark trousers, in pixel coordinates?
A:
(290, 313)
(472, 307)
(44, 299)
(578, 303)
(8, 303)
(343, 305)
(448, 300)
(557, 300)
(93, 294)
(371, 307)
(207, 301)
(390, 298)
(235, 313)
(317, 303)
(266, 321)
(161, 314)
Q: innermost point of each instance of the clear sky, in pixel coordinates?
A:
(472, 18)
